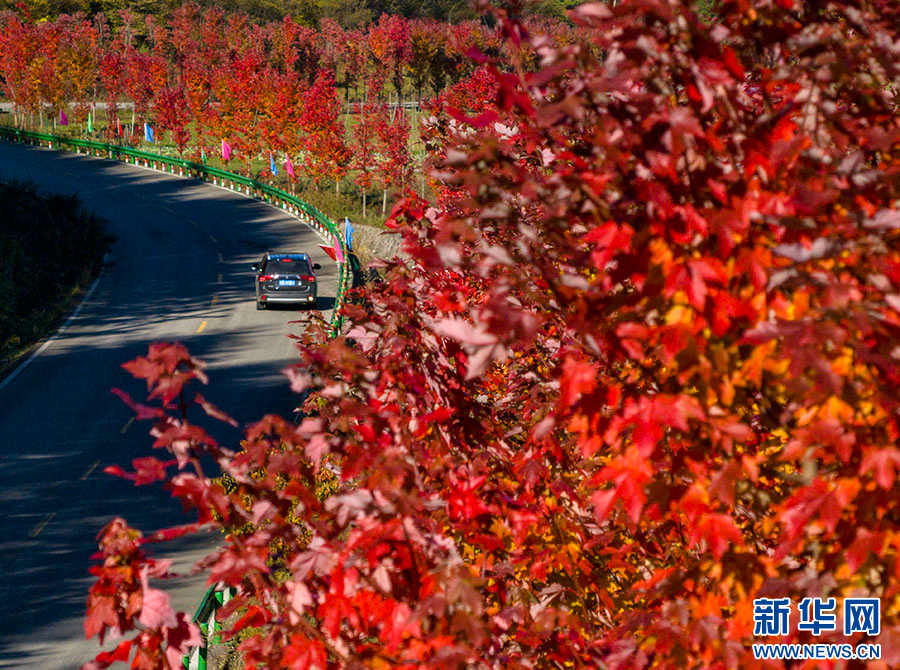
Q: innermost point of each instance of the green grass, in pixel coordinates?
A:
(50, 248)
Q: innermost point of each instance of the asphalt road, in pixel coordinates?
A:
(178, 272)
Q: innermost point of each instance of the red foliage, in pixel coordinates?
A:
(364, 143)
(388, 40)
(173, 114)
(18, 47)
(326, 154)
(395, 164)
(640, 369)
(123, 597)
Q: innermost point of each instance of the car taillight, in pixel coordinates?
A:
(308, 278)
(266, 277)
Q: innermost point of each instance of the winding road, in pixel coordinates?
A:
(178, 272)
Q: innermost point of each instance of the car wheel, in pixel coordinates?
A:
(260, 305)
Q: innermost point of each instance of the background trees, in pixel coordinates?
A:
(326, 154)
(394, 161)
(199, 75)
(17, 51)
(639, 370)
(364, 145)
(306, 12)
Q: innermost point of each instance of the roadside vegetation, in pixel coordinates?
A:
(635, 382)
(50, 249)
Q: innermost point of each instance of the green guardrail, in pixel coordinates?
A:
(308, 214)
(205, 618)
(216, 596)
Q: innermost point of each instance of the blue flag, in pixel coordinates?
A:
(272, 166)
(148, 133)
(348, 233)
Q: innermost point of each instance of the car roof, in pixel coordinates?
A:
(304, 257)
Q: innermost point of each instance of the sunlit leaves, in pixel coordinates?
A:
(639, 368)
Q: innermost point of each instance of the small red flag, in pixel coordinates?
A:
(328, 250)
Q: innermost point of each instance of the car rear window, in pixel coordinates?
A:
(288, 265)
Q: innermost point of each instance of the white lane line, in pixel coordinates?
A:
(62, 329)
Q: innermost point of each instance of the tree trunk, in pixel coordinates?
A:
(384, 202)
(364, 203)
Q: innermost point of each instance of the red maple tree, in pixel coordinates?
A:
(389, 42)
(18, 47)
(364, 144)
(325, 152)
(639, 370)
(173, 113)
(393, 160)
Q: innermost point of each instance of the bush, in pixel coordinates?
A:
(50, 245)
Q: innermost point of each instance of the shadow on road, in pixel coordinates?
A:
(179, 272)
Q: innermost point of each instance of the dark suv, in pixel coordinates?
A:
(287, 278)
